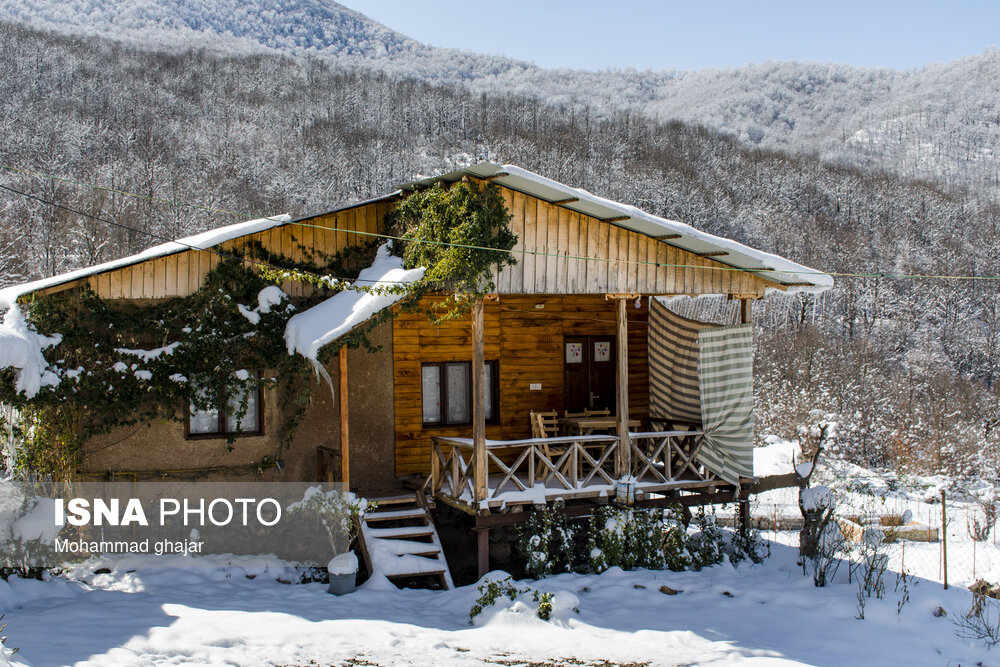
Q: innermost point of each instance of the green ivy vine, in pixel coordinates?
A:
(123, 363)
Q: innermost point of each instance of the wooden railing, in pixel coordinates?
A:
(563, 464)
(666, 456)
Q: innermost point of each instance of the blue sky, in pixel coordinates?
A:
(590, 34)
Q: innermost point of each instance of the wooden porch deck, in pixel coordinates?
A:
(541, 470)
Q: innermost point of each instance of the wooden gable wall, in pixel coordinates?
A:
(184, 272)
(561, 235)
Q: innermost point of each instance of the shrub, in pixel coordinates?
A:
(492, 591)
(546, 540)
(675, 538)
(626, 538)
(706, 546)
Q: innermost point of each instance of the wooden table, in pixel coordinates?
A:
(587, 425)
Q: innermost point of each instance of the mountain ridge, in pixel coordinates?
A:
(940, 121)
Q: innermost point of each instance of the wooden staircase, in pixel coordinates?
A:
(398, 539)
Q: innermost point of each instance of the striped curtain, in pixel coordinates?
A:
(725, 375)
(702, 373)
(673, 365)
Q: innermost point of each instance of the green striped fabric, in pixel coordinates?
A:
(673, 365)
(725, 375)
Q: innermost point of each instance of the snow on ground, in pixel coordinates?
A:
(754, 615)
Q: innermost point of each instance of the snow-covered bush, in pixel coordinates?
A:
(494, 590)
(340, 513)
(820, 540)
(748, 545)
(626, 538)
(706, 547)
(546, 540)
(675, 537)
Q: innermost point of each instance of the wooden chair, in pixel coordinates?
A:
(544, 425)
(597, 413)
(567, 414)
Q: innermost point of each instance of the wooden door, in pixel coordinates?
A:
(589, 373)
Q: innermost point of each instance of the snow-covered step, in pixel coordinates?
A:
(395, 515)
(407, 551)
(409, 547)
(402, 532)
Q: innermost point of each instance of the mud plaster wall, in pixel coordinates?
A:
(160, 449)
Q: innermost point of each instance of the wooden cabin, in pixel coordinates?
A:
(572, 382)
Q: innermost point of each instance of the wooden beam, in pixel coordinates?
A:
(746, 313)
(667, 237)
(499, 174)
(617, 218)
(479, 479)
(568, 200)
(345, 463)
(483, 549)
(624, 450)
(718, 253)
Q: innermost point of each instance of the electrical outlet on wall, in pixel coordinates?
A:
(535, 386)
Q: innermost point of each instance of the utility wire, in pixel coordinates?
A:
(257, 262)
(841, 274)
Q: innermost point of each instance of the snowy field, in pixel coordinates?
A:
(237, 611)
(755, 615)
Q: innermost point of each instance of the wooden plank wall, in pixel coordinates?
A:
(182, 273)
(626, 259)
(528, 343)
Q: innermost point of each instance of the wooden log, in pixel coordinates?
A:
(478, 402)
(624, 451)
(344, 439)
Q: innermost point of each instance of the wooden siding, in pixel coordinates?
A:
(528, 343)
(619, 261)
(182, 273)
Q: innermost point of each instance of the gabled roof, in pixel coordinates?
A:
(774, 268)
(793, 276)
(203, 241)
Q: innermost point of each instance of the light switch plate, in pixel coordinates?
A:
(535, 386)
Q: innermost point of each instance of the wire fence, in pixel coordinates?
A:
(951, 540)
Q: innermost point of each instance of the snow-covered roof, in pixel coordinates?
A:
(307, 332)
(774, 268)
(203, 241)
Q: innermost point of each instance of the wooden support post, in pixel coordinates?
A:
(483, 555)
(624, 450)
(479, 471)
(345, 458)
(745, 311)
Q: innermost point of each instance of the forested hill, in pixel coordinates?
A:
(940, 121)
(908, 365)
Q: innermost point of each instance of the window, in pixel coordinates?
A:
(446, 389)
(223, 419)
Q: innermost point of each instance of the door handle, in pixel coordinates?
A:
(592, 397)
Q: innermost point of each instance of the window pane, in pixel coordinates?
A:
(249, 421)
(458, 394)
(431, 380)
(203, 421)
(488, 382)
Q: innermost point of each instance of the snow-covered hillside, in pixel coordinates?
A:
(940, 121)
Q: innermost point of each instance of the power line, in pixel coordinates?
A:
(209, 209)
(254, 261)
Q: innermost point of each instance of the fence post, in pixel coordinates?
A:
(944, 540)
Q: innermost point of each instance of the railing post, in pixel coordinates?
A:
(479, 463)
(435, 467)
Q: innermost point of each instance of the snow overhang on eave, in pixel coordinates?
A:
(784, 272)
